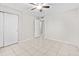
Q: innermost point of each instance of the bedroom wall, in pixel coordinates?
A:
(17, 12)
(27, 31)
(25, 26)
(63, 26)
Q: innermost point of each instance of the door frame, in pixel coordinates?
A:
(17, 26)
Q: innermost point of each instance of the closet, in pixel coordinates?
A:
(8, 29)
(1, 29)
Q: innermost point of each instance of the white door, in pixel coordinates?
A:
(37, 28)
(10, 29)
(1, 29)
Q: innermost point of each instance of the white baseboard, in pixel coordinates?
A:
(66, 42)
(25, 40)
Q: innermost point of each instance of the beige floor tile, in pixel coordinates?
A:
(7, 51)
(32, 51)
(69, 50)
(40, 48)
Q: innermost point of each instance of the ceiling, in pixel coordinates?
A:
(57, 7)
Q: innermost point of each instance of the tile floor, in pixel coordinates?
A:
(40, 48)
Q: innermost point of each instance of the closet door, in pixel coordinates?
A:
(10, 29)
(1, 29)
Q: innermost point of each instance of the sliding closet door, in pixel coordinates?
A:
(1, 29)
(10, 29)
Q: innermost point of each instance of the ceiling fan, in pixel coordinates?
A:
(39, 6)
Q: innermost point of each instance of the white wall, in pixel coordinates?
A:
(25, 26)
(59, 26)
(27, 31)
(63, 26)
(17, 12)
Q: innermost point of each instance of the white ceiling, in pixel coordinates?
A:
(61, 7)
(18, 6)
(58, 7)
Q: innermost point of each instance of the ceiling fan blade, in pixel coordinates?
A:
(33, 8)
(46, 6)
(33, 4)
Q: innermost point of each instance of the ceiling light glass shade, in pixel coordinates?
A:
(39, 7)
(44, 4)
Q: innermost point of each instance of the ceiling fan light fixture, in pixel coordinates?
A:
(39, 7)
(44, 4)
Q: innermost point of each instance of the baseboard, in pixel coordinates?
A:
(25, 40)
(66, 42)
